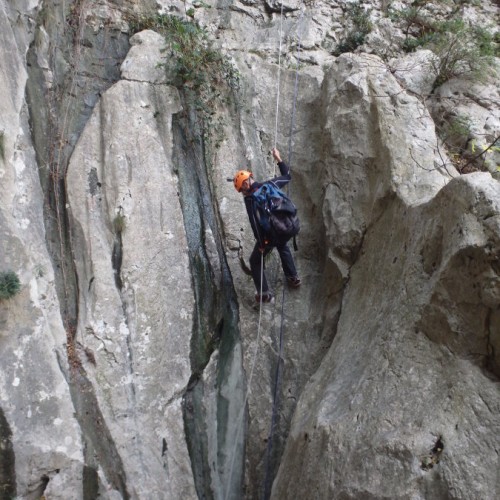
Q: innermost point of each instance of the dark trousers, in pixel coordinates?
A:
(257, 258)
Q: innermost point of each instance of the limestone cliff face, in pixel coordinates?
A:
(134, 362)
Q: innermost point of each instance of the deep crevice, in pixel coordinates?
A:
(90, 483)
(215, 326)
(96, 434)
(7, 460)
(429, 461)
(116, 260)
(57, 119)
(44, 482)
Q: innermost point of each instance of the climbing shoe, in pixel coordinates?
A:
(266, 297)
(293, 281)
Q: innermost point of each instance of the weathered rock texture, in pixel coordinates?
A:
(126, 214)
(414, 364)
(134, 363)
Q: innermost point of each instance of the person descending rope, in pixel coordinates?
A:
(267, 237)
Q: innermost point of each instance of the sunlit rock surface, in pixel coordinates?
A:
(134, 361)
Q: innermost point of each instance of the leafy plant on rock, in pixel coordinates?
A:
(201, 71)
(415, 25)
(2, 145)
(466, 152)
(462, 49)
(455, 132)
(361, 26)
(9, 285)
(119, 223)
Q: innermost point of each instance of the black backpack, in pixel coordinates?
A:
(277, 215)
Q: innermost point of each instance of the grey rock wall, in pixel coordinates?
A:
(400, 404)
(41, 441)
(134, 361)
(133, 271)
(452, 383)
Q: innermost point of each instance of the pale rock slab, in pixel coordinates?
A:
(384, 40)
(381, 142)
(143, 60)
(356, 432)
(409, 237)
(34, 396)
(367, 178)
(416, 71)
(136, 301)
(285, 6)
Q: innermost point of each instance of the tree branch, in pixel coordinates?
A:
(474, 158)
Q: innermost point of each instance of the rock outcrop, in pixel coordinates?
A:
(135, 364)
(412, 373)
(41, 446)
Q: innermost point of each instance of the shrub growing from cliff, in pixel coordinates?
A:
(2, 145)
(455, 131)
(119, 223)
(463, 50)
(361, 26)
(201, 71)
(9, 285)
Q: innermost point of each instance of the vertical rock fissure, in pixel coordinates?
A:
(60, 100)
(116, 259)
(90, 483)
(95, 430)
(127, 298)
(215, 325)
(7, 460)
(491, 356)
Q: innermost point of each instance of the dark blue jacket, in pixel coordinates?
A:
(251, 206)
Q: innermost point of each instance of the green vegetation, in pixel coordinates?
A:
(463, 50)
(119, 224)
(9, 285)
(415, 25)
(360, 19)
(2, 145)
(455, 131)
(467, 153)
(204, 75)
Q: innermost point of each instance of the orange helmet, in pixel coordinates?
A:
(240, 178)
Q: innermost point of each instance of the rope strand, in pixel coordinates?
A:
(295, 89)
(278, 374)
(249, 384)
(279, 78)
(277, 384)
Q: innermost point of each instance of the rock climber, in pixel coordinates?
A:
(245, 184)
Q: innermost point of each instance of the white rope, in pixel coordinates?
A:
(257, 342)
(279, 82)
(249, 383)
(268, 478)
(296, 86)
